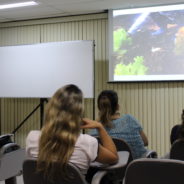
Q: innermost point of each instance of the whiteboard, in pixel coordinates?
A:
(38, 70)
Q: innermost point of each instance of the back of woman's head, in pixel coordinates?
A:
(65, 104)
(107, 105)
(62, 127)
(182, 125)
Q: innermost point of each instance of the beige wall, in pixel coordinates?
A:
(157, 105)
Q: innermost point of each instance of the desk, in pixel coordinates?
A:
(116, 171)
(11, 165)
(123, 160)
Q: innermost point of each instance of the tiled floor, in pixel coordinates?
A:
(19, 180)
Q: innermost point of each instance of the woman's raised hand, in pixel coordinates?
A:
(88, 123)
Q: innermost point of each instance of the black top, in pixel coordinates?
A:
(175, 133)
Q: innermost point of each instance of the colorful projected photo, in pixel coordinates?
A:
(148, 44)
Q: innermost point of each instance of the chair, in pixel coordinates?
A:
(177, 150)
(113, 173)
(150, 154)
(9, 147)
(121, 145)
(11, 159)
(154, 171)
(31, 176)
(5, 139)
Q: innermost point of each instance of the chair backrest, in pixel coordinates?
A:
(5, 139)
(31, 176)
(155, 171)
(150, 154)
(9, 147)
(121, 145)
(11, 159)
(177, 150)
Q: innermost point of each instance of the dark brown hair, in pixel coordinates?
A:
(107, 105)
(181, 132)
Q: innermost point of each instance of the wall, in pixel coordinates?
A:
(156, 105)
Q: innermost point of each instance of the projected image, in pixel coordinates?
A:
(148, 44)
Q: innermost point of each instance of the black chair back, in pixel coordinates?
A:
(31, 176)
(150, 154)
(154, 171)
(121, 145)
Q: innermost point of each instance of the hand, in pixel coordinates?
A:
(88, 123)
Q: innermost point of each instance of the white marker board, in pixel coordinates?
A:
(38, 70)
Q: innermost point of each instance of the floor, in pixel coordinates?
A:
(19, 180)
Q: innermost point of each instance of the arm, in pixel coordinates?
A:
(136, 125)
(107, 151)
(144, 138)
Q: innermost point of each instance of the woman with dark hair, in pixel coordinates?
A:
(178, 130)
(125, 126)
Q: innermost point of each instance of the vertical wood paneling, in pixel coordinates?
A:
(149, 109)
(153, 136)
(157, 106)
(166, 117)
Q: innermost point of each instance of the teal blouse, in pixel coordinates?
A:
(128, 129)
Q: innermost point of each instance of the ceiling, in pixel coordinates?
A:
(57, 8)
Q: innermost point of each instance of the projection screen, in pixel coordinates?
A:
(147, 44)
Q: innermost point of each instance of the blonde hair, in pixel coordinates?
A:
(62, 127)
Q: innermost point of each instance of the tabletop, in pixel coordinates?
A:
(123, 159)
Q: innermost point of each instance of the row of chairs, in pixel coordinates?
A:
(136, 171)
(140, 171)
(158, 171)
(30, 176)
(117, 176)
(176, 151)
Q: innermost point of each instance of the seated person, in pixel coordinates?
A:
(125, 127)
(60, 138)
(178, 130)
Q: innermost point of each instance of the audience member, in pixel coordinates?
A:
(178, 130)
(125, 126)
(60, 138)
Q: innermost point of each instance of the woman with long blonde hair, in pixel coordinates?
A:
(60, 140)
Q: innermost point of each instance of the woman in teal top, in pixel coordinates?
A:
(125, 127)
